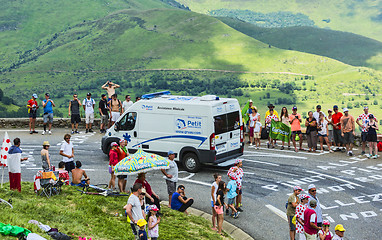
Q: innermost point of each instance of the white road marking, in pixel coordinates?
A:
(16, 130)
(90, 169)
(31, 168)
(291, 151)
(267, 163)
(194, 181)
(261, 154)
(277, 211)
(336, 178)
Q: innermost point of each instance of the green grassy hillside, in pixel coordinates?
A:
(362, 17)
(198, 54)
(346, 47)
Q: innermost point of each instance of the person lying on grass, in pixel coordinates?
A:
(77, 174)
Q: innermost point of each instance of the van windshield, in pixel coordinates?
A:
(227, 122)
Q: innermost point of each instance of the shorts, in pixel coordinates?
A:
(337, 136)
(231, 201)
(292, 227)
(251, 131)
(48, 117)
(256, 135)
(296, 132)
(348, 137)
(122, 176)
(81, 184)
(212, 203)
(115, 116)
(364, 136)
(331, 137)
(322, 135)
(75, 118)
(32, 114)
(104, 119)
(218, 209)
(89, 118)
(171, 187)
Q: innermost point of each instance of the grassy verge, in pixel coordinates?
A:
(92, 216)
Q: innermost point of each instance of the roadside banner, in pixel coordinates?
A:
(279, 131)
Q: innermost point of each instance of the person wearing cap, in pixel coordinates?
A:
(104, 113)
(311, 227)
(362, 121)
(134, 208)
(122, 153)
(316, 114)
(32, 113)
(372, 128)
(312, 193)
(48, 105)
(300, 209)
(110, 87)
(231, 195)
(113, 160)
(324, 233)
(88, 104)
(238, 172)
(153, 224)
(295, 127)
(336, 122)
(330, 127)
(67, 153)
(115, 108)
(339, 232)
(127, 103)
(268, 121)
(293, 201)
(179, 200)
(45, 157)
(311, 132)
(171, 175)
(271, 106)
(74, 112)
(348, 131)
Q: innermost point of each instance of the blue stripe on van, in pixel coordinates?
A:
(202, 139)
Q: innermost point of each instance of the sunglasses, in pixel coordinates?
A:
(67, 138)
(143, 194)
(313, 190)
(182, 189)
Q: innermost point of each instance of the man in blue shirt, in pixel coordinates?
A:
(179, 201)
(48, 105)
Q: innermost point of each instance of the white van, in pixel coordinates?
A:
(200, 130)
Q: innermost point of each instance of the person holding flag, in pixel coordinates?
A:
(245, 112)
(14, 165)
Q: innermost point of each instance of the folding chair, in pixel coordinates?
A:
(47, 182)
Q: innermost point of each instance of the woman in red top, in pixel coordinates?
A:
(122, 153)
(113, 160)
(151, 196)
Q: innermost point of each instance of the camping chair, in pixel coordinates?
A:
(48, 183)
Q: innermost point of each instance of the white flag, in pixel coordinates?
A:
(4, 150)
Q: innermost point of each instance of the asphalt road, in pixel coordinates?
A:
(349, 188)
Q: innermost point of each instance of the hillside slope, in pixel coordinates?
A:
(362, 17)
(346, 47)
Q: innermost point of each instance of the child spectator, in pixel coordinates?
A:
(257, 133)
(153, 230)
(62, 173)
(324, 233)
(219, 205)
(231, 195)
(142, 232)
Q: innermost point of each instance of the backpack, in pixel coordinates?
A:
(379, 146)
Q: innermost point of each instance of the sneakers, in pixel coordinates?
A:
(43, 132)
(330, 151)
(282, 148)
(268, 144)
(239, 209)
(236, 215)
(72, 131)
(31, 132)
(350, 153)
(90, 130)
(227, 212)
(86, 131)
(363, 152)
(76, 131)
(258, 148)
(50, 132)
(250, 144)
(322, 151)
(375, 157)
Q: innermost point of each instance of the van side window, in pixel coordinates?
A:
(227, 122)
(128, 121)
(233, 119)
(220, 123)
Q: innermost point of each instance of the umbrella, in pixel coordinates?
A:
(140, 162)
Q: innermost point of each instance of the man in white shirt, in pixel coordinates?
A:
(339, 230)
(127, 103)
(67, 153)
(88, 105)
(133, 208)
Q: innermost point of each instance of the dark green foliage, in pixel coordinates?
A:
(268, 20)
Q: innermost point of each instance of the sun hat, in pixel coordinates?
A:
(46, 143)
(303, 196)
(330, 110)
(114, 144)
(34, 95)
(340, 227)
(141, 222)
(326, 222)
(297, 188)
(153, 208)
(311, 186)
(345, 110)
(250, 100)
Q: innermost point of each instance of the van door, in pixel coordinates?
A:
(221, 134)
(128, 128)
(233, 133)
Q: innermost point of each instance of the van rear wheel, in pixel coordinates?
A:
(191, 162)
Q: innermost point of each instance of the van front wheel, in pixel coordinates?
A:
(191, 162)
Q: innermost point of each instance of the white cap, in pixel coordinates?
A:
(311, 186)
(345, 110)
(250, 100)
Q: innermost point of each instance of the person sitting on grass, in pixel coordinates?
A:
(62, 173)
(77, 174)
(179, 201)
